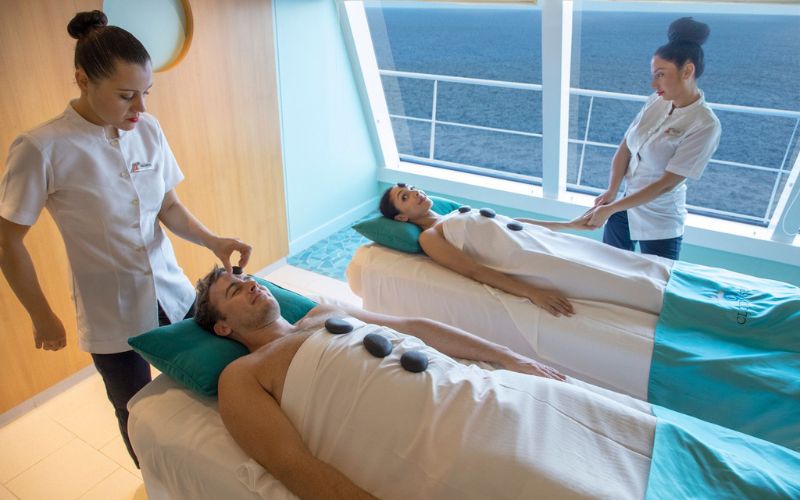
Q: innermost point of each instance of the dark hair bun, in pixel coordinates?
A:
(84, 22)
(687, 29)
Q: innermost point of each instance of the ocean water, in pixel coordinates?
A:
(750, 61)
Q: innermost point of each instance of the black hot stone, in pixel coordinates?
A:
(338, 326)
(236, 270)
(377, 345)
(488, 212)
(414, 361)
(464, 209)
(514, 226)
(401, 184)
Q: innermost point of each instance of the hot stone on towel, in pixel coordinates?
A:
(514, 226)
(377, 345)
(488, 212)
(401, 184)
(338, 326)
(464, 209)
(414, 361)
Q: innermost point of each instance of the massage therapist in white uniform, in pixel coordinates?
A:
(106, 174)
(671, 139)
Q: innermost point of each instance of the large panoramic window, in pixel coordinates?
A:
(465, 86)
(462, 84)
(750, 79)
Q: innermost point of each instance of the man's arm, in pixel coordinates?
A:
(259, 426)
(443, 253)
(456, 342)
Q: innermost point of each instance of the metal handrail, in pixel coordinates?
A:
(592, 94)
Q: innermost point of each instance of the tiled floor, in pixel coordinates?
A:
(330, 256)
(68, 447)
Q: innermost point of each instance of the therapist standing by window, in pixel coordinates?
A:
(671, 139)
(106, 174)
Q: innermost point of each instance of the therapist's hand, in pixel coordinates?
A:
(552, 301)
(223, 248)
(49, 333)
(605, 198)
(598, 215)
(522, 364)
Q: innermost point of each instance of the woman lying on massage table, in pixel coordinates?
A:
(527, 258)
(720, 337)
(331, 408)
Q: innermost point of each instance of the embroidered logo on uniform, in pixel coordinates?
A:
(673, 132)
(138, 167)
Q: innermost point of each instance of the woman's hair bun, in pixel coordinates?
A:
(84, 22)
(687, 29)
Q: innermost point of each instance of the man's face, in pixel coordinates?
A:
(410, 202)
(243, 303)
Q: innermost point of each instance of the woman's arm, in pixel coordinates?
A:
(180, 221)
(619, 166)
(666, 183)
(442, 252)
(17, 266)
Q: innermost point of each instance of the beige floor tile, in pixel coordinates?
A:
(27, 440)
(116, 451)
(85, 393)
(5, 494)
(95, 423)
(65, 475)
(120, 485)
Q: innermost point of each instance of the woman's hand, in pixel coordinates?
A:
(605, 198)
(598, 215)
(49, 333)
(522, 364)
(552, 301)
(224, 247)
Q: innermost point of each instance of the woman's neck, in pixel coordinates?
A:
(691, 96)
(428, 220)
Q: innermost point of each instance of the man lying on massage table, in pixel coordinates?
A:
(337, 408)
(726, 346)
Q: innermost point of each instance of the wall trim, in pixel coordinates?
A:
(300, 243)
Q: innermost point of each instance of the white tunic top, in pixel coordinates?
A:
(104, 195)
(682, 143)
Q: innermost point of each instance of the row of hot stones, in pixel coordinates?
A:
(379, 346)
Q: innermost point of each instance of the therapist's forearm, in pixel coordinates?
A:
(648, 193)
(619, 165)
(183, 223)
(20, 273)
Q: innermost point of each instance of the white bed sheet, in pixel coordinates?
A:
(184, 450)
(603, 344)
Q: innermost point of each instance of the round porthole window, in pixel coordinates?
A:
(163, 26)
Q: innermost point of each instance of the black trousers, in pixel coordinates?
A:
(124, 374)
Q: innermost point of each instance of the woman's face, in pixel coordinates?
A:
(119, 99)
(669, 81)
(410, 202)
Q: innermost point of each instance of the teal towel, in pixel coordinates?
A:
(727, 350)
(695, 459)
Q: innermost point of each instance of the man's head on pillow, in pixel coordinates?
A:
(405, 203)
(232, 305)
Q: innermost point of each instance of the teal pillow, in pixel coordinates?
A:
(196, 357)
(402, 236)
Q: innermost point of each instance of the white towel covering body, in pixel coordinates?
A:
(580, 268)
